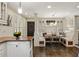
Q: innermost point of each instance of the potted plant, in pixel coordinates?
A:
(17, 35)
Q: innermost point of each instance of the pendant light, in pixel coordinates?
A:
(20, 8)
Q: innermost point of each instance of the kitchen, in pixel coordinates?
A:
(22, 32)
(10, 45)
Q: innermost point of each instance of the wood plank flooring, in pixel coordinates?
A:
(55, 50)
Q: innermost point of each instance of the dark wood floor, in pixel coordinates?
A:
(55, 50)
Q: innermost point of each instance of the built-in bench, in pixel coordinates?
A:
(51, 38)
(66, 43)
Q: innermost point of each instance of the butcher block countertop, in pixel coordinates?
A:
(12, 38)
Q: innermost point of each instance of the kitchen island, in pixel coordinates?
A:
(10, 47)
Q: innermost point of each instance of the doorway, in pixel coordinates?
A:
(78, 37)
(30, 28)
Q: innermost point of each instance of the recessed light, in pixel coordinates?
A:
(29, 16)
(26, 13)
(78, 6)
(49, 6)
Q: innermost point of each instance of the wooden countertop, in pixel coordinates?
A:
(12, 38)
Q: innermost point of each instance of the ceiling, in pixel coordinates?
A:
(59, 9)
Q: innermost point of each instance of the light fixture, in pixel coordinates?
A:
(51, 24)
(26, 13)
(78, 6)
(49, 6)
(20, 8)
(55, 24)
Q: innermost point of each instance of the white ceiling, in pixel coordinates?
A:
(58, 8)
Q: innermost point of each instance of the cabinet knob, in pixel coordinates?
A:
(16, 45)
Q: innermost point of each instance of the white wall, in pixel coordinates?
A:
(76, 28)
(69, 28)
(52, 28)
(17, 21)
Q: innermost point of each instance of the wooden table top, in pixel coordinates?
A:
(9, 38)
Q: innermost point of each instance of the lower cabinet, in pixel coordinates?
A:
(3, 50)
(19, 49)
(16, 49)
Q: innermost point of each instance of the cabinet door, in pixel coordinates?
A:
(24, 49)
(3, 50)
(18, 49)
(3, 13)
(11, 49)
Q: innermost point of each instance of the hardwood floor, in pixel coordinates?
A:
(55, 50)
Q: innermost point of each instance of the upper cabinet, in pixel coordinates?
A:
(3, 12)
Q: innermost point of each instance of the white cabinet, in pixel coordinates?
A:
(3, 13)
(3, 50)
(16, 49)
(19, 49)
(3, 10)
